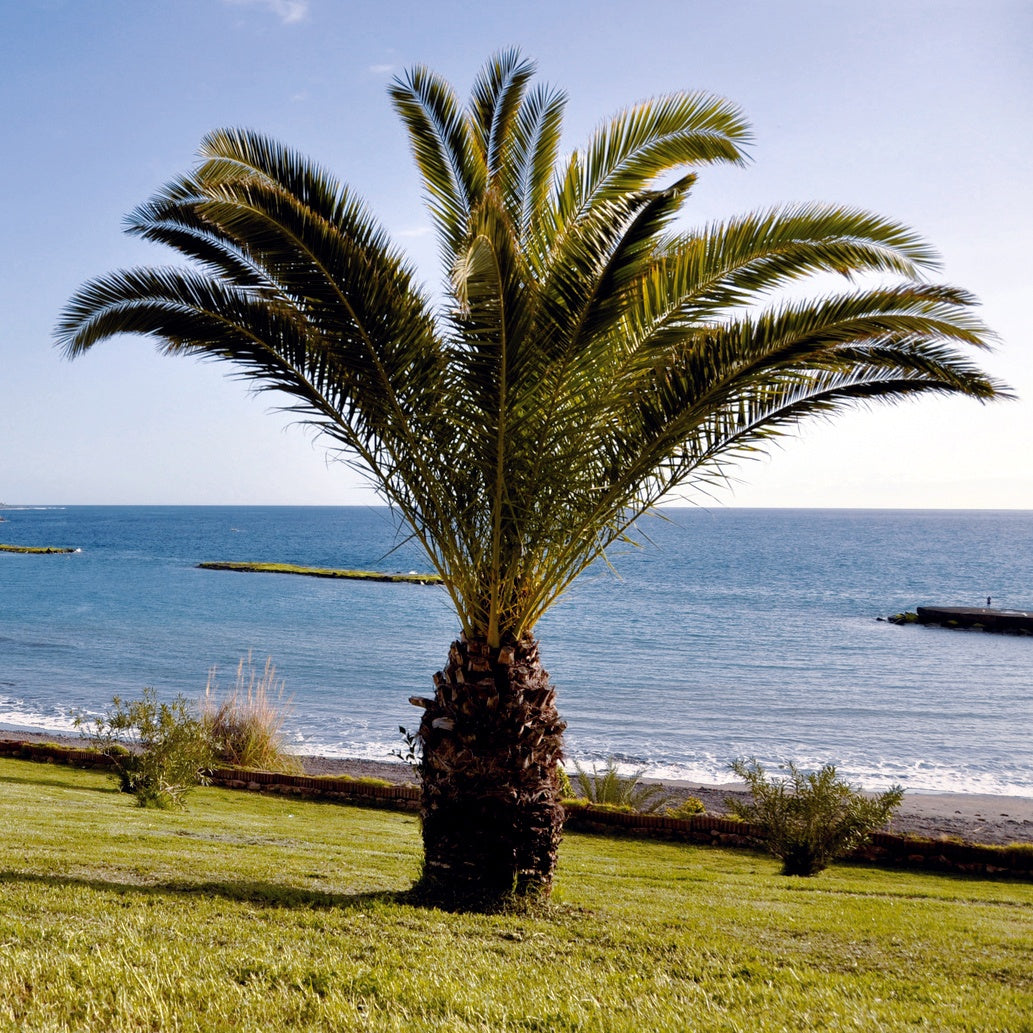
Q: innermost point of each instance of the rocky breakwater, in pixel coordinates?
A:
(969, 618)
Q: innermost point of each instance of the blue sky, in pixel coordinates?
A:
(918, 110)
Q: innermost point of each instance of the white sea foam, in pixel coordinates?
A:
(916, 777)
(15, 716)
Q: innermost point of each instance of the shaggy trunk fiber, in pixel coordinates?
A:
(491, 739)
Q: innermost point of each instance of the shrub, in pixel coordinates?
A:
(907, 617)
(413, 752)
(246, 727)
(811, 819)
(158, 751)
(610, 787)
(606, 808)
(687, 808)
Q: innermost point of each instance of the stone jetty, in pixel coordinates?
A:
(980, 617)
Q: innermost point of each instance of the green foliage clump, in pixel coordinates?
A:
(158, 751)
(907, 617)
(687, 808)
(606, 808)
(620, 791)
(413, 752)
(810, 819)
(358, 780)
(246, 726)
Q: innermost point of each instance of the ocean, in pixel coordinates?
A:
(728, 633)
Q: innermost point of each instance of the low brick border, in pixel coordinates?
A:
(342, 789)
(883, 848)
(47, 753)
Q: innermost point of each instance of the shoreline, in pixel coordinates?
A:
(975, 817)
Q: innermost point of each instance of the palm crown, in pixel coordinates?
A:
(591, 356)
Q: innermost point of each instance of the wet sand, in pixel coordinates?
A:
(978, 818)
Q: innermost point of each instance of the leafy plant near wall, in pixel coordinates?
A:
(611, 788)
(689, 807)
(810, 819)
(158, 751)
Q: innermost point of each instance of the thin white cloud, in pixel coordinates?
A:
(288, 11)
(381, 69)
(420, 231)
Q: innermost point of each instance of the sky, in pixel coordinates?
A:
(917, 109)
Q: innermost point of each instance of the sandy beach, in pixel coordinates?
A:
(977, 818)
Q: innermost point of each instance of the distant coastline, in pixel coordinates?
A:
(412, 578)
(44, 550)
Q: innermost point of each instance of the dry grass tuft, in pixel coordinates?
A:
(247, 724)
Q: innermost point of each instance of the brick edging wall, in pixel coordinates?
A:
(883, 848)
(346, 790)
(47, 753)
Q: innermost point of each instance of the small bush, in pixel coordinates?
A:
(413, 752)
(246, 727)
(610, 787)
(687, 808)
(363, 780)
(158, 751)
(810, 819)
(607, 808)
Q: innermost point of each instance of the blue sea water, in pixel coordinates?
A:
(729, 633)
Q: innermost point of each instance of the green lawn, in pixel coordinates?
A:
(265, 913)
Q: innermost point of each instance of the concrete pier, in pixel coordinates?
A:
(977, 616)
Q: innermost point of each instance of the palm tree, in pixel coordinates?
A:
(592, 356)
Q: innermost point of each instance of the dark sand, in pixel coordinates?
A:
(976, 818)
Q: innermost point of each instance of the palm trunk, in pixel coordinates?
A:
(491, 741)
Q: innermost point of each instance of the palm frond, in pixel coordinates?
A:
(495, 102)
(528, 178)
(643, 142)
(453, 169)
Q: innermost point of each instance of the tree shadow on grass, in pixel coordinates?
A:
(278, 896)
(59, 783)
(244, 891)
